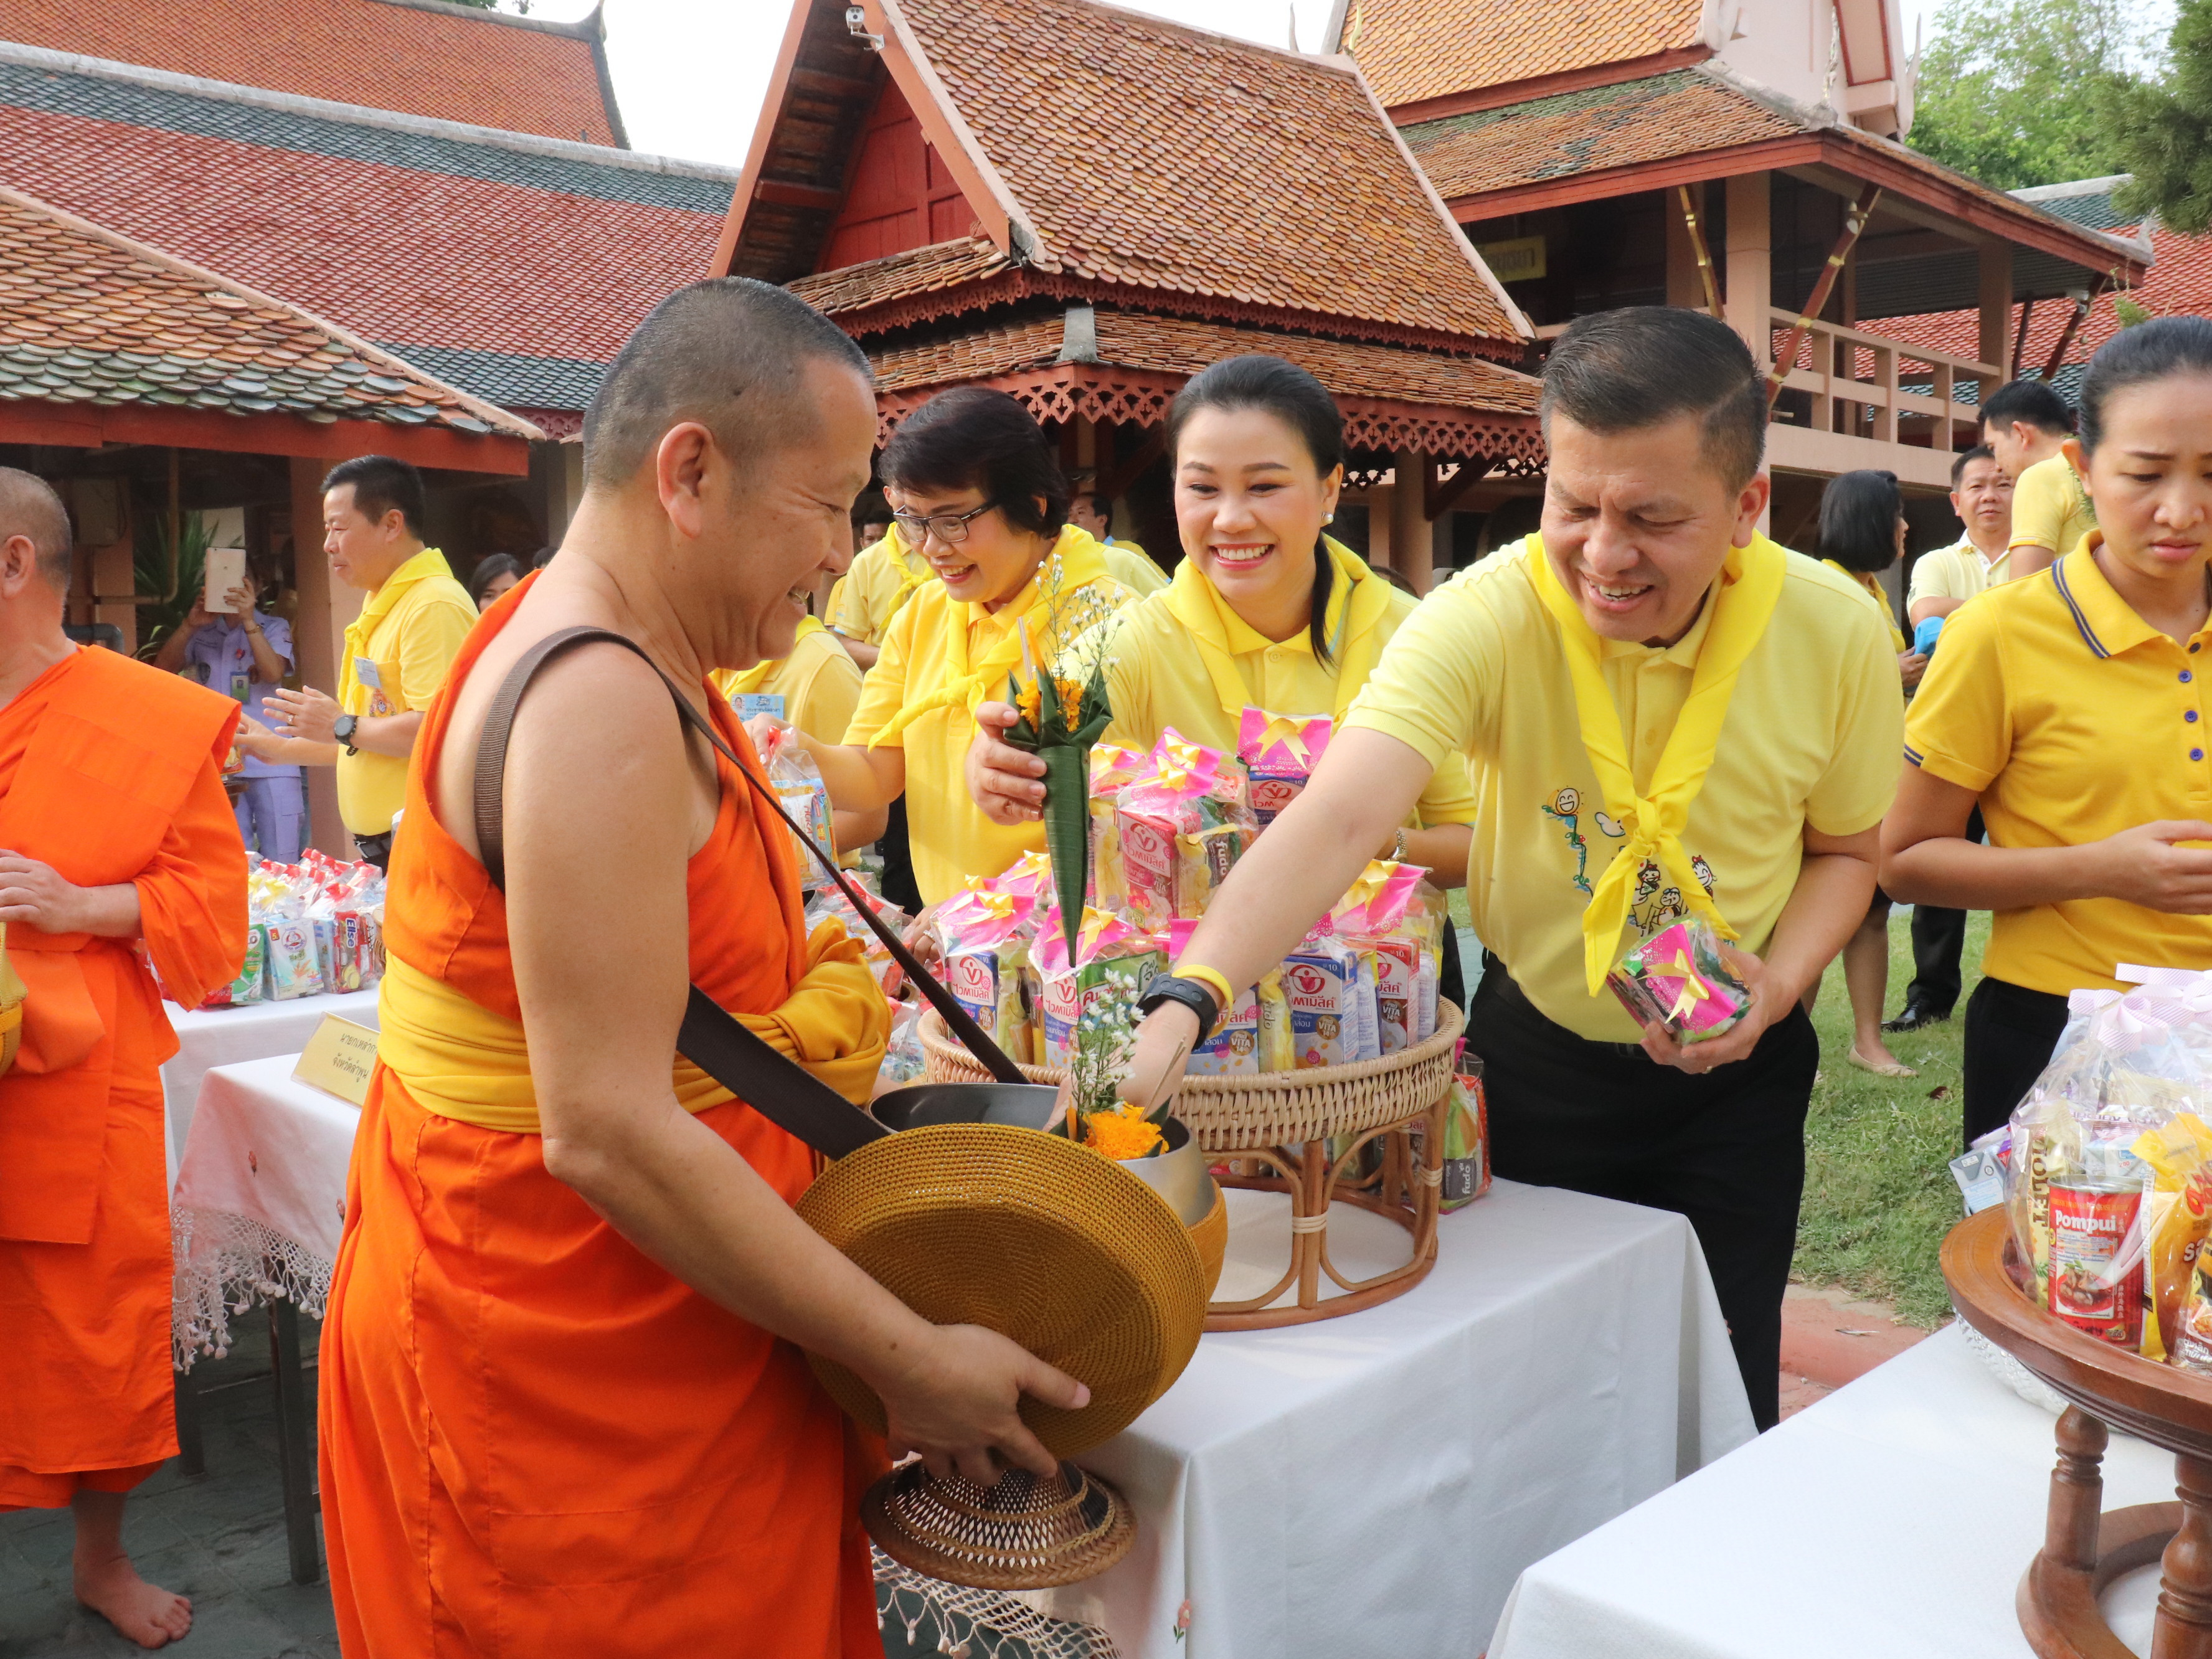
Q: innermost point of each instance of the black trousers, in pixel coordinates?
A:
(1939, 941)
(2010, 1032)
(1726, 1149)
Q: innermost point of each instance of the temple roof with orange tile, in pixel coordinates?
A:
(88, 317)
(1415, 50)
(417, 57)
(1138, 159)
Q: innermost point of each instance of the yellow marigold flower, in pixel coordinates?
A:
(1029, 702)
(1121, 1134)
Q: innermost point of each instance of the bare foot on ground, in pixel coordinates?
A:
(149, 1615)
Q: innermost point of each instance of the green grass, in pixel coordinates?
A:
(1879, 1195)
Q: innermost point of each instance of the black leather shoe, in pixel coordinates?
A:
(1915, 1015)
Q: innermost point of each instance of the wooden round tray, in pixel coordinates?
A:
(2085, 1548)
(2162, 1404)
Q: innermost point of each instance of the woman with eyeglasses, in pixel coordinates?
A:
(974, 487)
(1265, 611)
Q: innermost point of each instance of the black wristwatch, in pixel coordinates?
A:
(1198, 998)
(343, 729)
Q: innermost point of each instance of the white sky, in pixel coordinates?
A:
(689, 75)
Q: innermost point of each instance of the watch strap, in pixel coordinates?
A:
(1191, 994)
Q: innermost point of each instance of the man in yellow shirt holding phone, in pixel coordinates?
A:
(397, 651)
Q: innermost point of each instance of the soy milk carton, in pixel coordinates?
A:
(1279, 752)
(1321, 982)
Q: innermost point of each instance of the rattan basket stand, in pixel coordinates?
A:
(1271, 1132)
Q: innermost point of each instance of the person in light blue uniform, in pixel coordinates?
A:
(244, 653)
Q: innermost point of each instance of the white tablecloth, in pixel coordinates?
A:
(1373, 1485)
(1893, 1518)
(260, 1197)
(208, 1037)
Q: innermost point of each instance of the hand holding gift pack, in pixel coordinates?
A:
(1678, 979)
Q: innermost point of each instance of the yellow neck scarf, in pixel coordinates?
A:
(1751, 583)
(1075, 562)
(1359, 600)
(745, 684)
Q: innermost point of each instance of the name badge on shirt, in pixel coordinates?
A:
(364, 670)
(750, 703)
(241, 687)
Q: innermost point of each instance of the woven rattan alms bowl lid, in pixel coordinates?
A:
(1032, 1236)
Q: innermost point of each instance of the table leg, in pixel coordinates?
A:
(191, 1442)
(2077, 1493)
(296, 1442)
(2183, 1629)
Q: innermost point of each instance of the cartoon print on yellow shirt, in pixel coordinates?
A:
(1651, 909)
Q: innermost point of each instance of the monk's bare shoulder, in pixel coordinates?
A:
(597, 737)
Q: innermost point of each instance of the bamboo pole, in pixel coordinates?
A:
(1855, 221)
(1704, 253)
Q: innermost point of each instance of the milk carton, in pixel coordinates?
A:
(1232, 1048)
(1098, 990)
(1279, 752)
(1321, 984)
(1182, 826)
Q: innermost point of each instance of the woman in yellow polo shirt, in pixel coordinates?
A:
(2071, 704)
(1862, 528)
(974, 487)
(1264, 611)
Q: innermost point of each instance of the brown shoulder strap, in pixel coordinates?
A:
(703, 1018)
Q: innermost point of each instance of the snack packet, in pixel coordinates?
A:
(984, 939)
(1677, 978)
(1112, 769)
(1183, 826)
(1098, 990)
(1279, 1046)
(1279, 753)
(1391, 916)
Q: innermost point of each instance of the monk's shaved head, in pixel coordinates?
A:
(29, 506)
(730, 353)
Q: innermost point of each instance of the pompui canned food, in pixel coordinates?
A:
(2089, 1230)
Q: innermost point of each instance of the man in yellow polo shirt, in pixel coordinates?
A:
(397, 651)
(2024, 424)
(1662, 713)
(1943, 580)
(885, 575)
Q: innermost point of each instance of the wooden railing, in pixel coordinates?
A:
(1859, 384)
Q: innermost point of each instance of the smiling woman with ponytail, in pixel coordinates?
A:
(1265, 611)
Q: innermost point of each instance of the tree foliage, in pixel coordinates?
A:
(2017, 93)
(2162, 133)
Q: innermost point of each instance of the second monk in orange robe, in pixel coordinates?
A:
(564, 1407)
(118, 845)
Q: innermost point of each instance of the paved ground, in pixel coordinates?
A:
(1828, 1338)
(218, 1539)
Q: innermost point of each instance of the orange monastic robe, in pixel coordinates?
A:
(110, 771)
(535, 1441)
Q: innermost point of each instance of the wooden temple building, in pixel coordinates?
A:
(1084, 205)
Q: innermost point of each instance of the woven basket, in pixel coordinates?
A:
(1271, 1109)
(1033, 1237)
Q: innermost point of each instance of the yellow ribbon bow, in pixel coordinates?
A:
(1750, 586)
(1695, 989)
(1288, 732)
(1075, 562)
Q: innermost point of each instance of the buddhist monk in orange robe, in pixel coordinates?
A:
(117, 846)
(564, 1407)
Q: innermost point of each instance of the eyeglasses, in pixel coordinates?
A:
(950, 528)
